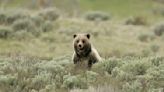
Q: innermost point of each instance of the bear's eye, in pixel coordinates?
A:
(77, 41)
(83, 41)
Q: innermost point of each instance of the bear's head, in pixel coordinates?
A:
(82, 44)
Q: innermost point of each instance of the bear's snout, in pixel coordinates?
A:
(80, 45)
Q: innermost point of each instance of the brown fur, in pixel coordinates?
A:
(83, 50)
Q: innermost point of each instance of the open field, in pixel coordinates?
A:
(36, 46)
(111, 39)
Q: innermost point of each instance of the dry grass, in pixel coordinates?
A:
(105, 88)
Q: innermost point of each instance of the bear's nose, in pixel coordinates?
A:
(80, 45)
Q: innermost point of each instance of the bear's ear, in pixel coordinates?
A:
(74, 35)
(88, 36)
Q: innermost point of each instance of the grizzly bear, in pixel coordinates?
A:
(84, 51)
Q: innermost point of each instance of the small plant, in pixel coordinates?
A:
(97, 15)
(26, 25)
(136, 21)
(154, 48)
(157, 61)
(156, 75)
(40, 80)
(146, 52)
(5, 32)
(91, 76)
(7, 79)
(50, 14)
(137, 67)
(38, 20)
(47, 26)
(159, 29)
(132, 87)
(110, 64)
(22, 35)
(23, 24)
(3, 17)
(143, 37)
(15, 15)
(73, 82)
(146, 37)
(141, 67)
(121, 75)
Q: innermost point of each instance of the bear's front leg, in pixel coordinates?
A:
(90, 64)
(91, 61)
(75, 59)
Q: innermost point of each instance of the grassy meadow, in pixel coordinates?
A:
(36, 46)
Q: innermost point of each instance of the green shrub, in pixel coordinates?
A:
(121, 75)
(136, 21)
(47, 26)
(137, 67)
(157, 61)
(159, 29)
(128, 70)
(156, 76)
(153, 72)
(132, 87)
(143, 37)
(74, 82)
(5, 32)
(50, 14)
(55, 68)
(91, 76)
(40, 80)
(7, 80)
(25, 25)
(44, 25)
(21, 35)
(156, 90)
(48, 88)
(51, 67)
(146, 52)
(17, 14)
(140, 68)
(146, 37)
(38, 20)
(115, 72)
(97, 15)
(109, 65)
(9, 16)
(154, 48)
(3, 17)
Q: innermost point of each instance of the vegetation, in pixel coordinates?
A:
(136, 21)
(123, 74)
(97, 16)
(36, 46)
(159, 29)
